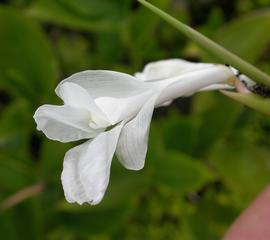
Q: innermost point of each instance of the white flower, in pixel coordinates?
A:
(114, 110)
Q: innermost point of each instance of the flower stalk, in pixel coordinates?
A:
(212, 47)
(251, 100)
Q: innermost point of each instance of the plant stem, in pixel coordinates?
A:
(212, 47)
(21, 195)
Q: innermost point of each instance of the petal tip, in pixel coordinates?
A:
(134, 168)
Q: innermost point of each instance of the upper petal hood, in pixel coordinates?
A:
(103, 83)
(169, 68)
(117, 95)
(172, 68)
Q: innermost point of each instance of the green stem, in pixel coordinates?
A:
(212, 47)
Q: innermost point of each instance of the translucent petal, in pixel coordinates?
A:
(103, 83)
(76, 96)
(86, 172)
(73, 188)
(118, 109)
(64, 123)
(168, 68)
(191, 82)
(217, 86)
(132, 145)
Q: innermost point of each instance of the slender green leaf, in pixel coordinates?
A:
(27, 66)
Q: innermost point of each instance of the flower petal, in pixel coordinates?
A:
(217, 86)
(103, 83)
(168, 68)
(64, 123)
(76, 96)
(191, 82)
(132, 145)
(70, 177)
(118, 109)
(86, 172)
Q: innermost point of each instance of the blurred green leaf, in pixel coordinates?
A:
(125, 186)
(27, 66)
(218, 116)
(244, 168)
(182, 172)
(25, 221)
(73, 52)
(16, 166)
(247, 36)
(94, 221)
(209, 218)
(138, 36)
(51, 159)
(15, 173)
(81, 14)
(182, 128)
(109, 48)
(7, 226)
(14, 138)
(168, 164)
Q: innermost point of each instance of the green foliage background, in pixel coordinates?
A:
(208, 156)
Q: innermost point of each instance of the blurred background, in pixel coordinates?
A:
(208, 156)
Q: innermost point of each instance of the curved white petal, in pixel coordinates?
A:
(64, 123)
(70, 177)
(165, 104)
(76, 96)
(117, 95)
(118, 109)
(86, 172)
(191, 82)
(217, 86)
(132, 145)
(103, 83)
(169, 68)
